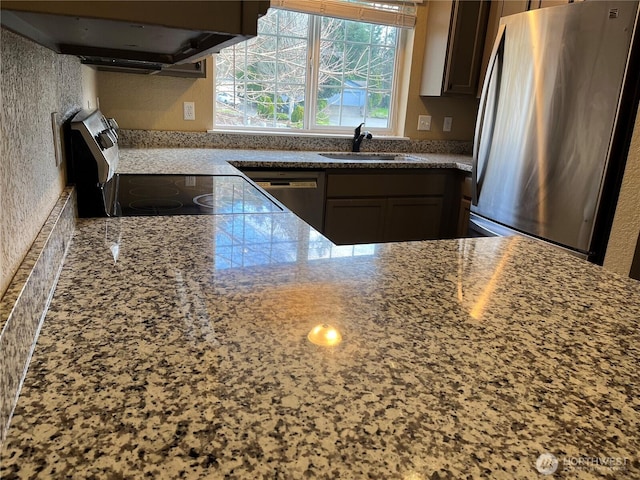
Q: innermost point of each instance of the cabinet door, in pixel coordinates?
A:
(351, 220)
(534, 4)
(462, 229)
(456, 31)
(413, 218)
(466, 43)
(394, 183)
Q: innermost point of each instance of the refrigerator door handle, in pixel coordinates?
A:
(475, 192)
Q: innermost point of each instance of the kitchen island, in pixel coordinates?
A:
(176, 347)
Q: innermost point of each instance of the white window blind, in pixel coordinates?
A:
(398, 13)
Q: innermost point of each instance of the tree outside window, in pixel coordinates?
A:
(308, 72)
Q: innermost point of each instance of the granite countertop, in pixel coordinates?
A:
(221, 161)
(176, 347)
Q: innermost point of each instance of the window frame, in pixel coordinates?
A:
(309, 126)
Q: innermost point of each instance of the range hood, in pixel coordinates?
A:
(134, 35)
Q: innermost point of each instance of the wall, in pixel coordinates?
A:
(35, 82)
(626, 223)
(89, 87)
(463, 109)
(151, 102)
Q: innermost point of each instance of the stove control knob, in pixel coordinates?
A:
(105, 140)
(113, 124)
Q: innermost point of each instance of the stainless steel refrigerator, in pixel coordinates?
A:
(554, 124)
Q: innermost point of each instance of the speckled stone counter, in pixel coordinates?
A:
(219, 161)
(26, 300)
(176, 347)
(288, 141)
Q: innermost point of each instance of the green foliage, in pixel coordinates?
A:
(322, 116)
(374, 99)
(298, 114)
(379, 113)
(265, 106)
(223, 110)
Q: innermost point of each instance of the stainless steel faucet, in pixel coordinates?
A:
(358, 136)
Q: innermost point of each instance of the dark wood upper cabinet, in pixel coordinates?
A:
(456, 32)
(469, 28)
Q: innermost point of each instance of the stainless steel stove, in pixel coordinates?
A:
(103, 192)
(93, 162)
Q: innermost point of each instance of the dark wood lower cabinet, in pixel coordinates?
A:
(463, 218)
(358, 220)
(391, 205)
(374, 205)
(354, 220)
(413, 219)
(465, 208)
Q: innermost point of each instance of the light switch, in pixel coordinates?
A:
(446, 125)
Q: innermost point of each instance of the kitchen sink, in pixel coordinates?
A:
(355, 156)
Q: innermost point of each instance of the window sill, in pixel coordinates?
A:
(262, 133)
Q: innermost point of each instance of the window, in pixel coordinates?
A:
(309, 72)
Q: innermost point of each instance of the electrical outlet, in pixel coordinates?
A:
(424, 122)
(446, 125)
(189, 110)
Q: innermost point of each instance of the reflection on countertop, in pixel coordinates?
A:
(186, 355)
(164, 194)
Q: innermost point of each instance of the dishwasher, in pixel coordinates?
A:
(302, 192)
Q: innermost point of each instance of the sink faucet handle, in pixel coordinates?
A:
(358, 137)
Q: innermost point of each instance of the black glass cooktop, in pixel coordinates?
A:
(189, 195)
